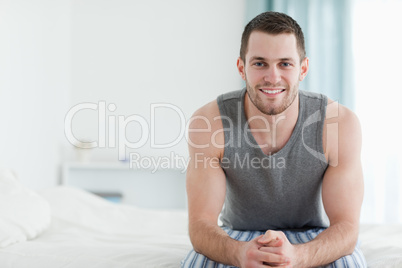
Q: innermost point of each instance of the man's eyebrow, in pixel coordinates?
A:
(287, 59)
(264, 59)
(293, 60)
(257, 58)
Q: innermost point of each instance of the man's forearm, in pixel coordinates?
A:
(211, 241)
(335, 242)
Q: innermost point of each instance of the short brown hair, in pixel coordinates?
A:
(273, 23)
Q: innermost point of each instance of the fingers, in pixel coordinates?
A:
(267, 237)
(271, 258)
(276, 249)
(278, 242)
(269, 265)
(257, 255)
(270, 237)
(273, 247)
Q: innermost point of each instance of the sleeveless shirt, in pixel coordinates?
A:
(280, 190)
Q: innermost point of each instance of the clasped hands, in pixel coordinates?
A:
(272, 249)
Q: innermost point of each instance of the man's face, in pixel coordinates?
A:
(272, 71)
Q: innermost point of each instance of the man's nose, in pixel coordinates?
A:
(272, 76)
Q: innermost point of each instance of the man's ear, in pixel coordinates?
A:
(241, 68)
(304, 69)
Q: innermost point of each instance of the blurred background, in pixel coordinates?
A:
(131, 73)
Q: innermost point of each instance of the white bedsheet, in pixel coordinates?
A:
(382, 245)
(87, 231)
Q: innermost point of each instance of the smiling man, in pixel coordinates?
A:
(281, 166)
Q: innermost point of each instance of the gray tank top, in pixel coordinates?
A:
(278, 191)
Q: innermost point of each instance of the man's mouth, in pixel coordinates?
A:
(272, 91)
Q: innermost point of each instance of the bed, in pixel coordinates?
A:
(78, 229)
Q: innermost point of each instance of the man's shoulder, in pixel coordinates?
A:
(212, 108)
(209, 110)
(204, 130)
(206, 118)
(312, 95)
(340, 113)
(342, 131)
(232, 95)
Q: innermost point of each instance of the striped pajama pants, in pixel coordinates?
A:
(196, 260)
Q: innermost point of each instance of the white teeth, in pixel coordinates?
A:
(272, 91)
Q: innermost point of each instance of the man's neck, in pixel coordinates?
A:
(271, 131)
(289, 116)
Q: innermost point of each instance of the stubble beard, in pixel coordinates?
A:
(270, 110)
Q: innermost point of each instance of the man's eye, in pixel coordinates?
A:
(285, 64)
(259, 64)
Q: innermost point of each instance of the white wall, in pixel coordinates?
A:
(135, 53)
(378, 96)
(56, 54)
(35, 83)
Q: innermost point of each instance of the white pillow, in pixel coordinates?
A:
(23, 214)
(91, 212)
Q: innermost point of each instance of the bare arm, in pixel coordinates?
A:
(342, 194)
(206, 189)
